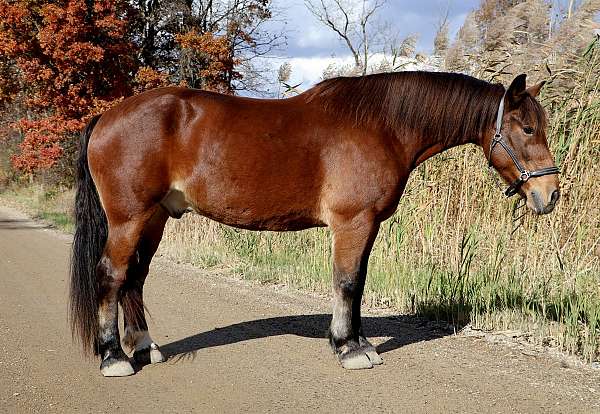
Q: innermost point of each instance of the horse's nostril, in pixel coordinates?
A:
(555, 196)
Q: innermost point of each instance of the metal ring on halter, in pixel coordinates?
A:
(525, 175)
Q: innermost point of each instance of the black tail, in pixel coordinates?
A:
(91, 230)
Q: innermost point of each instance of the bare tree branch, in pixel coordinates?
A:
(351, 20)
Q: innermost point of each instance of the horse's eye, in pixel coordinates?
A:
(528, 130)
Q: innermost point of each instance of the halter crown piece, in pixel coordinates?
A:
(525, 174)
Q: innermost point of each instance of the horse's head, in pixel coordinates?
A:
(519, 150)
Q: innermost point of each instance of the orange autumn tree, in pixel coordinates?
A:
(63, 60)
(212, 55)
(66, 58)
(219, 41)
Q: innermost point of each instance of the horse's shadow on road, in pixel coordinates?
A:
(20, 224)
(400, 330)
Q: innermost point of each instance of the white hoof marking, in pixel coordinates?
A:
(357, 361)
(374, 358)
(155, 355)
(118, 369)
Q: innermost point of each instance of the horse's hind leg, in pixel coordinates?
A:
(119, 252)
(136, 336)
(352, 243)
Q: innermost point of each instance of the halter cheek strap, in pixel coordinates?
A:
(524, 174)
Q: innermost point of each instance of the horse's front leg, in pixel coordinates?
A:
(352, 242)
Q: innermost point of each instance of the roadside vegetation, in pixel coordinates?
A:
(453, 251)
(456, 250)
(53, 205)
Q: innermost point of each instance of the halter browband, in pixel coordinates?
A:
(525, 174)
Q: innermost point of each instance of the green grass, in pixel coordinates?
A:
(58, 219)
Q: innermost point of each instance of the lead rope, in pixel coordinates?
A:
(518, 220)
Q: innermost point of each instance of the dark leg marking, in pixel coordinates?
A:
(351, 254)
(114, 361)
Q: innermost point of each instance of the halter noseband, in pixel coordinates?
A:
(525, 174)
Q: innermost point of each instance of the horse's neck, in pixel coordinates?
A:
(430, 147)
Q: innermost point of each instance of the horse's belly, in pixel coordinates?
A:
(245, 219)
(252, 213)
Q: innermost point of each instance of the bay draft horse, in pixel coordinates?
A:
(337, 155)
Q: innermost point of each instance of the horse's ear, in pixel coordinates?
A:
(516, 91)
(535, 89)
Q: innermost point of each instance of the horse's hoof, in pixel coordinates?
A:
(374, 357)
(369, 349)
(112, 367)
(150, 355)
(361, 355)
(355, 360)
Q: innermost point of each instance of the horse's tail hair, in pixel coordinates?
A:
(91, 230)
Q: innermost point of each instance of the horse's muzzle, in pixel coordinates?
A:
(542, 202)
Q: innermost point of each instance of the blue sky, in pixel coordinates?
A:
(308, 37)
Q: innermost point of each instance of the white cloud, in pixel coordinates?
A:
(315, 36)
(309, 70)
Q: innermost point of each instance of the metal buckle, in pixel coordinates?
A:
(511, 191)
(525, 175)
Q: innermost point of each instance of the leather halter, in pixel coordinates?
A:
(524, 174)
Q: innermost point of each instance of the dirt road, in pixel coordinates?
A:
(234, 346)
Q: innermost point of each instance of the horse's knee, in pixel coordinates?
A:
(346, 286)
